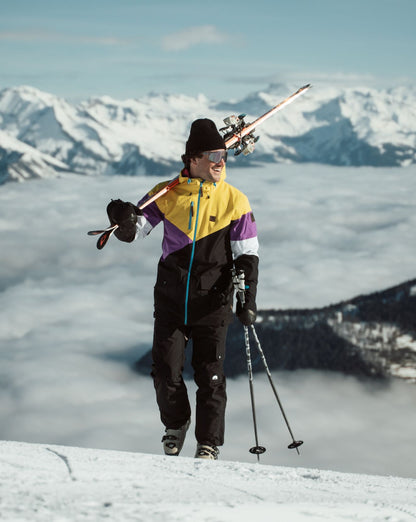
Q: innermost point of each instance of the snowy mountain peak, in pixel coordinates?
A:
(14, 98)
(19, 161)
(348, 126)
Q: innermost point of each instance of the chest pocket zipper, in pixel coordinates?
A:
(191, 215)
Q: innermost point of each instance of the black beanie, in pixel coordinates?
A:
(203, 136)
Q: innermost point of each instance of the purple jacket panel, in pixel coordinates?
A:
(152, 213)
(243, 228)
(173, 239)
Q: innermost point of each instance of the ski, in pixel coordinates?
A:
(105, 235)
(237, 134)
(96, 232)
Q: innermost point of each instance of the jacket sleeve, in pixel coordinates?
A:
(249, 265)
(244, 246)
(150, 216)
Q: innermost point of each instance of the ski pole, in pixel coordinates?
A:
(257, 450)
(295, 443)
(240, 287)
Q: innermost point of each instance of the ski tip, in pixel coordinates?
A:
(102, 240)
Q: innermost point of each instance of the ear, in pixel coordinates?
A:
(194, 161)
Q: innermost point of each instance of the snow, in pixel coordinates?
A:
(349, 126)
(373, 336)
(9, 143)
(28, 162)
(48, 482)
(406, 341)
(404, 372)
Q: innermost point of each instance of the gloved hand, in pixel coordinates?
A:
(247, 317)
(123, 214)
(247, 312)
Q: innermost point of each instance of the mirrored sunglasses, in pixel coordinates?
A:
(216, 156)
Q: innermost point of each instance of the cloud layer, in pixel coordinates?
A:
(74, 319)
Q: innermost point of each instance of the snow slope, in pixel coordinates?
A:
(57, 483)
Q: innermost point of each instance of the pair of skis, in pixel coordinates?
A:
(237, 135)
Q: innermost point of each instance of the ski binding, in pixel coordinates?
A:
(233, 127)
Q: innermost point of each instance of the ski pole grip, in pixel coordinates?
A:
(239, 282)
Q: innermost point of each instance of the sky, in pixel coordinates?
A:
(74, 319)
(128, 48)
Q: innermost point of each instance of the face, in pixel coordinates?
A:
(207, 169)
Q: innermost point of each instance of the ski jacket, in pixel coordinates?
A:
(208, 227)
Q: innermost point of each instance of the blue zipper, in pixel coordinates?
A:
(192, 254)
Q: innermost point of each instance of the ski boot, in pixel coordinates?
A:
(207, 451)
(174, 438)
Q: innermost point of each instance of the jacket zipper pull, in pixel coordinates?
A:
(191, 215)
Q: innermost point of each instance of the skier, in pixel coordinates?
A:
(208, 228)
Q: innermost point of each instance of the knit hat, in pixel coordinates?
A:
(203, 136)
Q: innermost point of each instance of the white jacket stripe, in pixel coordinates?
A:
(143, 227)
(248, 246)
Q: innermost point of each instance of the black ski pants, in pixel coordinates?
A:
(169, 343)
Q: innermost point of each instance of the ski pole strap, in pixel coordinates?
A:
(239, 283)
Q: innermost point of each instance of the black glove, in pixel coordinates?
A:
(123, 214)
(246, 313)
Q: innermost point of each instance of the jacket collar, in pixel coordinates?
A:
(184, 177)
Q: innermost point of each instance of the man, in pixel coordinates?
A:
(208, 228)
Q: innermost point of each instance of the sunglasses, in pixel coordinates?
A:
(216, 156)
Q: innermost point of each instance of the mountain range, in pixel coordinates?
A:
(371, 336)
(42, 135)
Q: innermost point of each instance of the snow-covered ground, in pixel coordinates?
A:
(73, 319)
(57, 483)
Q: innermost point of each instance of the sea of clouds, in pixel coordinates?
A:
(74, 319)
